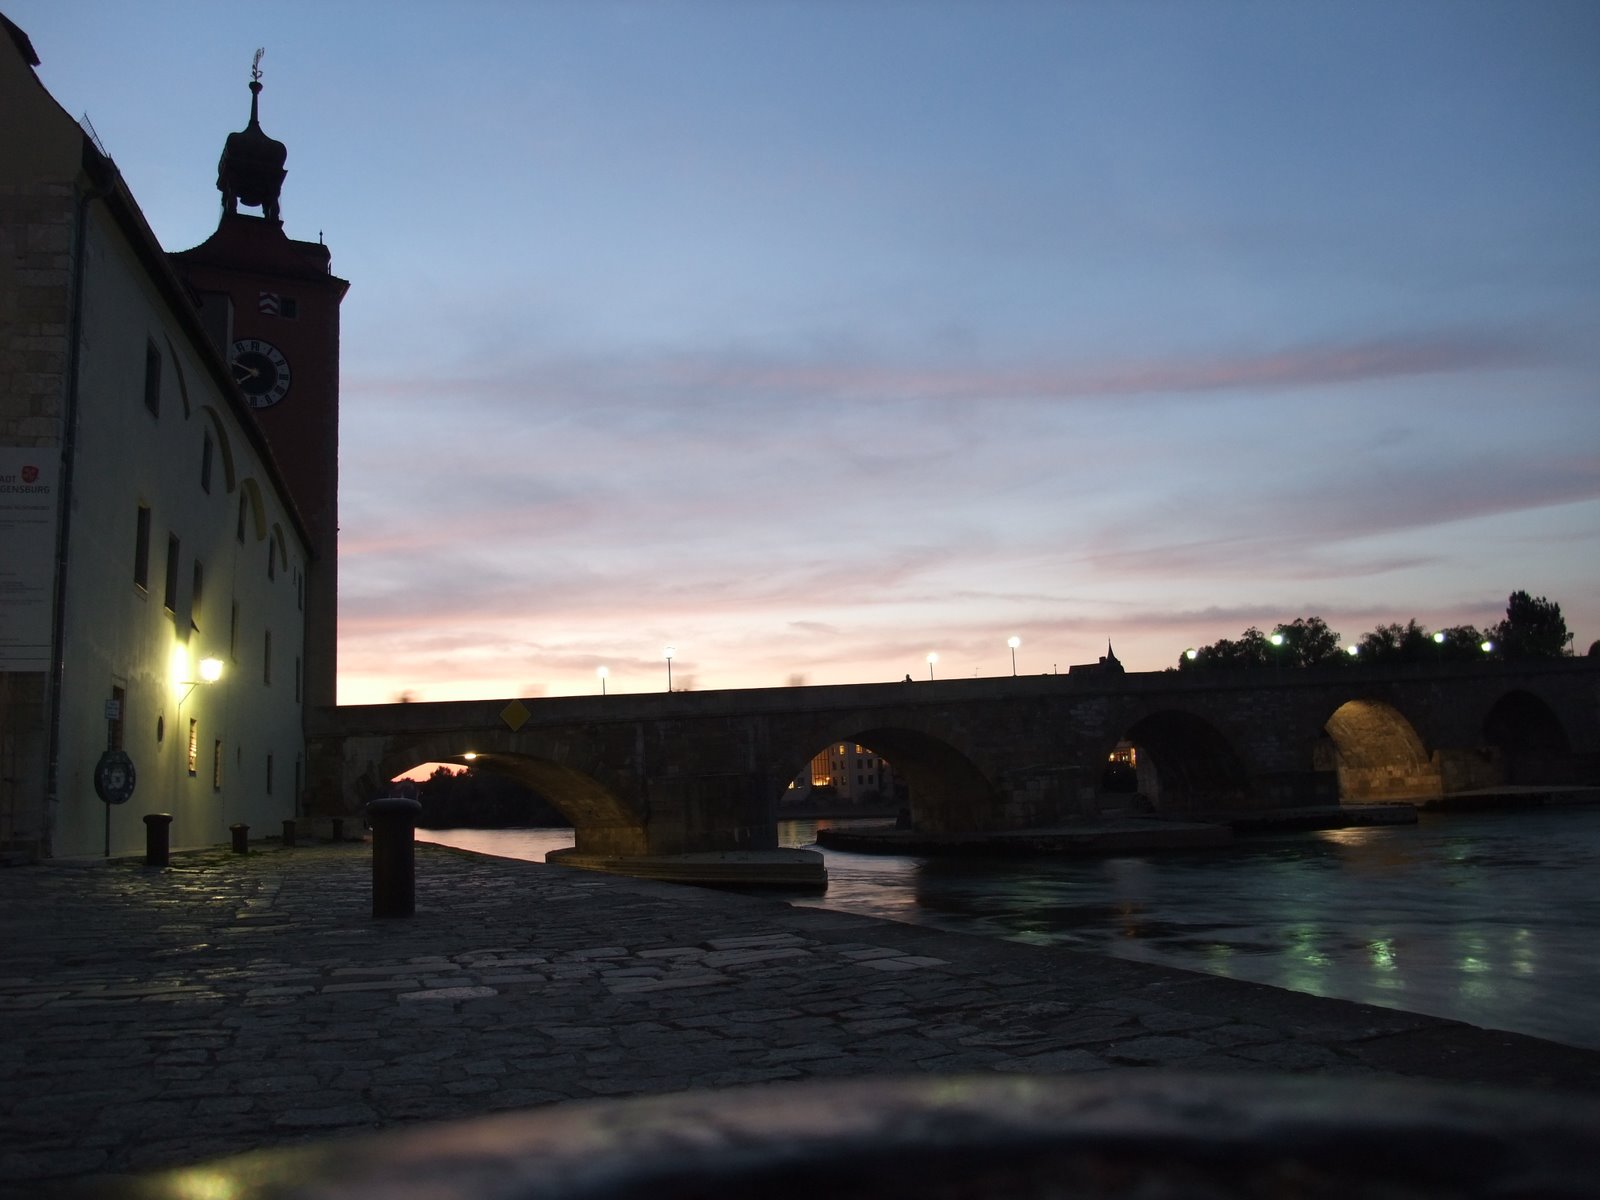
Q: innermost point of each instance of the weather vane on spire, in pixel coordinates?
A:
(255, 64)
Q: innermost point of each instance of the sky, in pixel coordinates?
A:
(812, 338)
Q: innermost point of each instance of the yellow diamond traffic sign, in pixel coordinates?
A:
(515, 715)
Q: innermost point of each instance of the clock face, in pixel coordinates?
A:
(261, 371)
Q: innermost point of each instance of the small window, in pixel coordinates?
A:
(216, 765)
(172, 573)
(152, 378)
(266, 659)
(194, 746)
(141, 550)
(275, 304)
(240, 532)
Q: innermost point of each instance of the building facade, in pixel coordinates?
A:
(156, 577)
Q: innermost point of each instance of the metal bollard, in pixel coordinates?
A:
(338, 829)
(241, 838)
(157, 835)
(288, 832)
(394, 859)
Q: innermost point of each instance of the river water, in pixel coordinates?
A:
(1488, 918)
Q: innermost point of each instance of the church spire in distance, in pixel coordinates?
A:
(251, 170)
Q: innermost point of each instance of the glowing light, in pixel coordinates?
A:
(1352, 651)
(469, 755)
(210, 669)
(1191, 654)
(1486, 647)
(933, 657)
(1438, 638)
(1276, 639)
(1013, 642)
(602, 672)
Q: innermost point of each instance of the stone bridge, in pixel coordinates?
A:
(683, 772)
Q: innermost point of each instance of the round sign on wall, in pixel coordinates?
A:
(114, 777)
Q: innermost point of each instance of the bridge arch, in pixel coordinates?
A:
(948, 793)
(1184, 763)
(1377, 754)
(603, 821)
(1528, 736)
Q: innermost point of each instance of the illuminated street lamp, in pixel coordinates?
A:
(933, 657)
(1487, 646)
(602, 672)
(1438, 638)
(669, 652)
(210, 672)
(1191, 654)
(1277, 642)
(1013, 642)
(1352, 650)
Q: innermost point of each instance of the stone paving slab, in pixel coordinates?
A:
(153, 1018)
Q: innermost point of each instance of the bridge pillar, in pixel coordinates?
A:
(708, 812)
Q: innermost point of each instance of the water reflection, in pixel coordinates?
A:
(1486, 918)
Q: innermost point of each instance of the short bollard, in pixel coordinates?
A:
(241, 838)
(157, 831)
(338, 829)
(288, 832)
(394, 860)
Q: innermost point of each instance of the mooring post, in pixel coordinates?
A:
(157, 833)
(241, 838)
(394, 860)
(288, 832)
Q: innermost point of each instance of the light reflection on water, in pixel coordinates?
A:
(1488, 918)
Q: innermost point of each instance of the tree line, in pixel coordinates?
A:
(1533, 627)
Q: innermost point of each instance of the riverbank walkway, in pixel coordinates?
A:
(160, 1017)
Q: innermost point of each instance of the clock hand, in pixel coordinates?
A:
(249, 372)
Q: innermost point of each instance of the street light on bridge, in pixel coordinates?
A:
(933, 657)
(602, 672)
(669, 652)
(1013, 642)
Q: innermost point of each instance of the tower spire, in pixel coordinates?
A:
(251, 170)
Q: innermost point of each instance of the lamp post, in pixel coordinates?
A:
(933, 657)
(669, 652)
(1277, 643)
(602, 672)
(1013, 642)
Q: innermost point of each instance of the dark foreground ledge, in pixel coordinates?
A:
(1135, 1134)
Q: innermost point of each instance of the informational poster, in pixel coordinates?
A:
(29, 494)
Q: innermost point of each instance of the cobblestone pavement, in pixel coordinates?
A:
(230, 1002)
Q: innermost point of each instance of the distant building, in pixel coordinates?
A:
(853, 773)
(1109, 664)
(151, 533)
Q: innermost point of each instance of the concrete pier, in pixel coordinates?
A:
(235, 1002)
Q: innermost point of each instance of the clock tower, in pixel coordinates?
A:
(272, 304)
